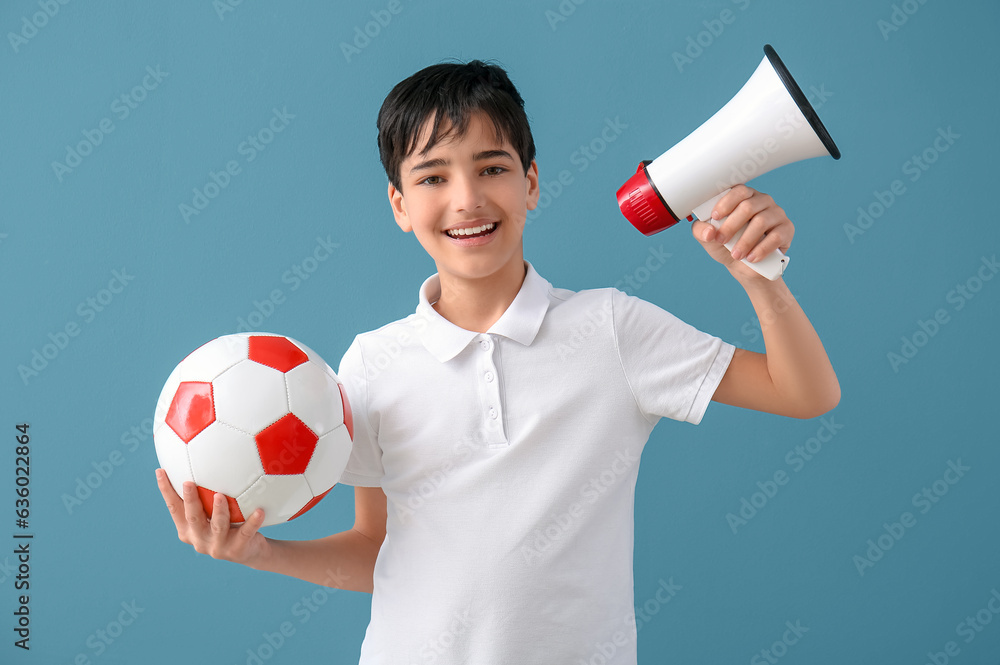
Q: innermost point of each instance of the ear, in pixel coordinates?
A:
(531, 179)
(398, 206)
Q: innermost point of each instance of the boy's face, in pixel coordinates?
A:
(466, 201)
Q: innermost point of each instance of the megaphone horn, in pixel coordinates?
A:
(769, 123)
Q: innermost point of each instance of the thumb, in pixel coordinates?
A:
(249, 528)
(703, 231)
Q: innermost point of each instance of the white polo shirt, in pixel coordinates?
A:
(509, 462)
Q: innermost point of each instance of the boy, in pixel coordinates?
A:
(494, 475)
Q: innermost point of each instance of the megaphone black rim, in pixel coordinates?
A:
(800, 99)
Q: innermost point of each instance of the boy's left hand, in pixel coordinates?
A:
(769, 228)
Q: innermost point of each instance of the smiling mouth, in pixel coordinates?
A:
(473, 232)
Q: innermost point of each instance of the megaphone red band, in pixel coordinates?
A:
(643, 206)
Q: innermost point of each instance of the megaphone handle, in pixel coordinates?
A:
(771, 266)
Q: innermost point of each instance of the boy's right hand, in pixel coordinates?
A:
(214, 536)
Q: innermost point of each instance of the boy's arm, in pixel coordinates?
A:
(794, 376)
(345, 560)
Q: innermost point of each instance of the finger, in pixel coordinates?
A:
(194, 513)
(759, 225)
(251, 525)
(220, 514)
(166, 489)
(777, 238)
(174, 503)
(736, 195)
(703, 231)
(742, 214)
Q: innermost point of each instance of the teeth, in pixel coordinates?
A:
(458, 233)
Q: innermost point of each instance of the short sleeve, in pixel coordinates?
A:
(364, 467)
(672, 368)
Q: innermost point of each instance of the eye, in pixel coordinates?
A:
(431, 180)
(494, 170)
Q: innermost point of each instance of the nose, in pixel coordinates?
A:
(467, 193)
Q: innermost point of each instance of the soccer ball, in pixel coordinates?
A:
(258, 417)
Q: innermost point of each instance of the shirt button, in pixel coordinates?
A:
(489, 377)
(485, 344)
(493, 414)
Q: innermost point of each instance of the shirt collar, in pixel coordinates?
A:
(444, 340)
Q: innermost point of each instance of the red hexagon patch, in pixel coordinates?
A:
(276, 352)
(191, 410)
(286, 446)
(207, 497)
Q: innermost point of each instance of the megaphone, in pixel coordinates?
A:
(769, 123)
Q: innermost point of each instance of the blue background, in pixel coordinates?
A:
(883, 93)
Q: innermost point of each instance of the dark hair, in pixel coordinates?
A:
(450, 91)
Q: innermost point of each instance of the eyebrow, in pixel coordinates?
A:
(478, 157)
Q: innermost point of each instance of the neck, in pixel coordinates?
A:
(476, 304)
